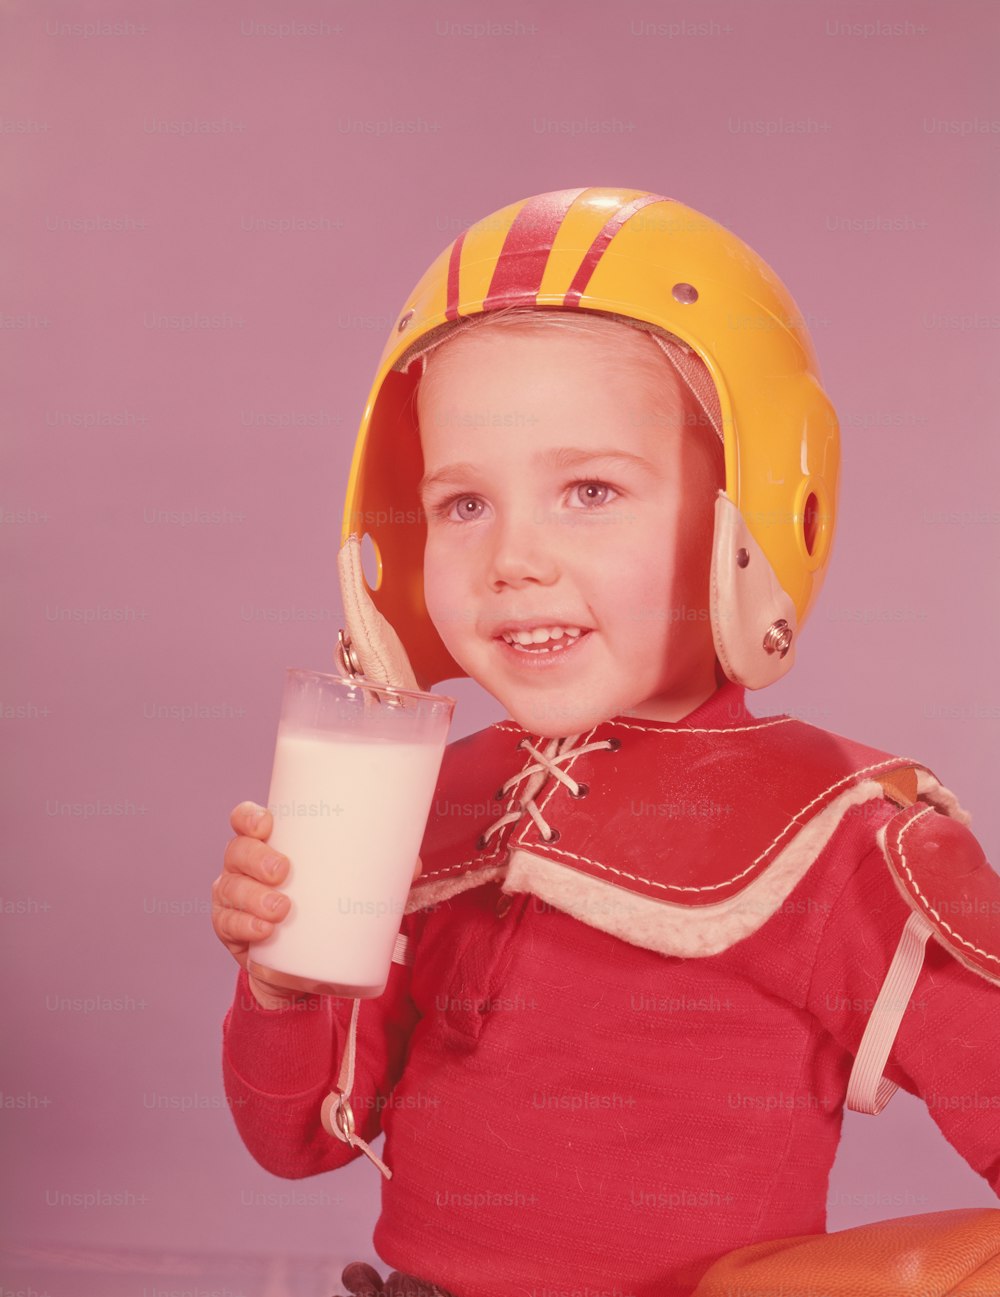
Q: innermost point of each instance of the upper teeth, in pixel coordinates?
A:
(540, 634)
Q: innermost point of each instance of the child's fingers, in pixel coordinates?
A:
(235, 928)
(251, 820)
(255, 859)
(236, 892)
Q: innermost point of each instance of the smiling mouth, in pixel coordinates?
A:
(568, 639)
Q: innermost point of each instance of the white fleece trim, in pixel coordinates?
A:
(688, 930)
(664, 926)
(432, 893)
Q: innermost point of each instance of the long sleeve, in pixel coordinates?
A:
(948, 1045)
(280, 1064)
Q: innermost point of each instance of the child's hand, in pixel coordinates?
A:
(245, 901)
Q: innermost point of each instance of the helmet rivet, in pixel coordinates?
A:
(347, 658)
(742, 558)
(778, 637)
(404, 321)
(686, 293)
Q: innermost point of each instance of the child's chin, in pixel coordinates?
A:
(551, 722)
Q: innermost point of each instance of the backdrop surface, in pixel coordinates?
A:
(212, 215)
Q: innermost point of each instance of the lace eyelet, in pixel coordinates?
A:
(614, 744)
(581, 791)
(553, 837)
(499, 795)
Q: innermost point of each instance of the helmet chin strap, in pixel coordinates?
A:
(372, 641)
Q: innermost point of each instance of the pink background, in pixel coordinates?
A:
(776, 118)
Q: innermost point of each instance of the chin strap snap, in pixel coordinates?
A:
(336, 1114)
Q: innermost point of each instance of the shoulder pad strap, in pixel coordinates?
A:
(953, 893)
(867, 1089)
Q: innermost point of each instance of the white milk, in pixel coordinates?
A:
(351, 867)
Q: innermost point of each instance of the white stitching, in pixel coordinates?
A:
(712, 887)
(674, 887)
(451, 869)
(722, 729)
(904, 828)
(649, 729)
(512, 727)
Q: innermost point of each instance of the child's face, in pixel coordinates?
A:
(536, 524)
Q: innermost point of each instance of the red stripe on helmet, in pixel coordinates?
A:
(454, 261)
(596, 250)
(518, 274)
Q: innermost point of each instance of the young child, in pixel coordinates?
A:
(649, 931)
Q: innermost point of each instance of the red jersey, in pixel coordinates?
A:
(566, 1111)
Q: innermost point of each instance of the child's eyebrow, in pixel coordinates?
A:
(558, 457)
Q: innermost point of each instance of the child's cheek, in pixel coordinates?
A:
(442, 584)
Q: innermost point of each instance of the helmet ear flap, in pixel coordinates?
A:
(373, 641)
(753, 619)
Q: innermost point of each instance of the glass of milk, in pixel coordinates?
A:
(355, 768)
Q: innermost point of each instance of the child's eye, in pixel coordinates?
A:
(593, 493)
(469, 508)
(445, 509)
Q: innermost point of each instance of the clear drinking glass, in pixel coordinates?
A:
(355, 768)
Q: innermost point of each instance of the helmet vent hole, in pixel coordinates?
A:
(369, 561)
(810, 522)
(686, 293)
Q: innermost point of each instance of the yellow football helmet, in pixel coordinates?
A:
(657, 263)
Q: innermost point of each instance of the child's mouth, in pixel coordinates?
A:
(547, 653)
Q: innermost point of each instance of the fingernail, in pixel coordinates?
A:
(272, 902)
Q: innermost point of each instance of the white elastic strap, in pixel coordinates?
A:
(336, 1114)
(868, 1090)
(401, 953)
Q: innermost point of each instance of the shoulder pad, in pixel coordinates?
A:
(940, 869)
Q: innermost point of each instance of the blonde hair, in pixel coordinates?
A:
(649, 361)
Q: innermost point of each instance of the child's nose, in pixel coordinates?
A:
(522, 550)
